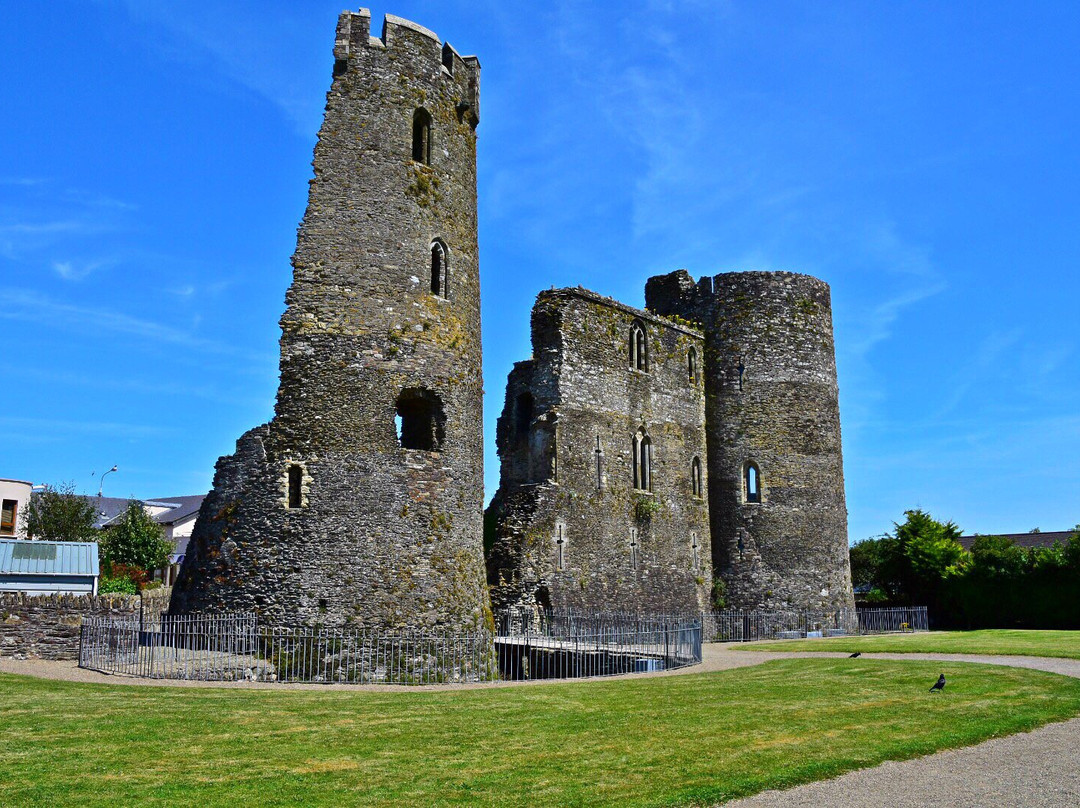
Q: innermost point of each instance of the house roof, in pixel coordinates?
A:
(107, 509)
(23, 557)
(1025, 540)
(184, 507)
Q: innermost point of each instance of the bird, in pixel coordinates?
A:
(939, 684)
(856, 654)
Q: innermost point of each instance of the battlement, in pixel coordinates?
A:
(354, 35)
(647, 316)
(671, 293)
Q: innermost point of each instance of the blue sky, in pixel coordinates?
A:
(921, 157)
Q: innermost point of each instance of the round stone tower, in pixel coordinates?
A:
(776, 480)
(360, 502)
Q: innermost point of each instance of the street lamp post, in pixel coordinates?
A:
(101, 481)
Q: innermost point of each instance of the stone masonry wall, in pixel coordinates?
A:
(383, 535)
(47, 626)
(621, 548)
(772, 400)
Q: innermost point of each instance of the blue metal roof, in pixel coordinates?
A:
(21, 557)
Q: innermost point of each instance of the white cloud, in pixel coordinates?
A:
(76, 271)
(25, 306)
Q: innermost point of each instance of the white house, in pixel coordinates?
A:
(14, 499)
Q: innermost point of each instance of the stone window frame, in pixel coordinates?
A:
(421, 136)
(758, 496)
(639, 347)
(295, 485)
(440, 275)
(642, 461)
(695, 552)
(420, 420)
(692, 367)
(697, 486)
(561, 542)
(635, 548)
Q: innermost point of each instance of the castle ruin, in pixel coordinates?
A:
(644, 453)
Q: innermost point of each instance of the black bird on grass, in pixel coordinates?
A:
(939, 684)
(856, 654)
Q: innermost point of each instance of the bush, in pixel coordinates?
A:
(57, 513)
(108, 585)
(997, 585)
(645, 508)
(137, 543)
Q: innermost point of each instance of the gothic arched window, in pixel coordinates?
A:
(639, 348)
(642, 461)
(752, 482)
(421, 136)
(440, 269)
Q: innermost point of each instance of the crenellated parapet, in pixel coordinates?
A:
(354, 39)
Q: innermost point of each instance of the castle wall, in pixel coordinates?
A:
(621, 548)
(324, 515)
(772, 400)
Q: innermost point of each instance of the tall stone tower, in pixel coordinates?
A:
(360, 502)
(776, 480)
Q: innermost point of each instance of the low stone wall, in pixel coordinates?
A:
(47, 626)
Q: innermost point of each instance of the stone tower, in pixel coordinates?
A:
(775, 467)
(360, 502)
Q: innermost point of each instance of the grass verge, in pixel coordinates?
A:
(1063, 644)
(680, 740)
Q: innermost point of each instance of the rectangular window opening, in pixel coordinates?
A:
(7, 517)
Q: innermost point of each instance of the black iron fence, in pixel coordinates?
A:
(735, 625)
(539, 644)
(525, 645)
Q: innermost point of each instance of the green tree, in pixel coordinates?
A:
(57, 513)
(933, 559)
(136, 540)
(868, 562)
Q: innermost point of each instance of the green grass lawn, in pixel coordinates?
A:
(681, 740)
(996, 641)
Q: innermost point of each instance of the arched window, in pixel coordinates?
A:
(691, 366)
(642, 461)
(695, 477)
(440, 270)
(639, 348)
(752, 482)
(296, 478)
(421, 422)
(421, 136)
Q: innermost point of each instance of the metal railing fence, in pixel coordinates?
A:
(545, 644)
(736, 625)
(230, 647)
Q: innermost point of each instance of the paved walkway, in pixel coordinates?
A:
(1029, 770)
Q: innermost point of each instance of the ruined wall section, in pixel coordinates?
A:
(567, 527)
(772, 400)
(382, 534)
